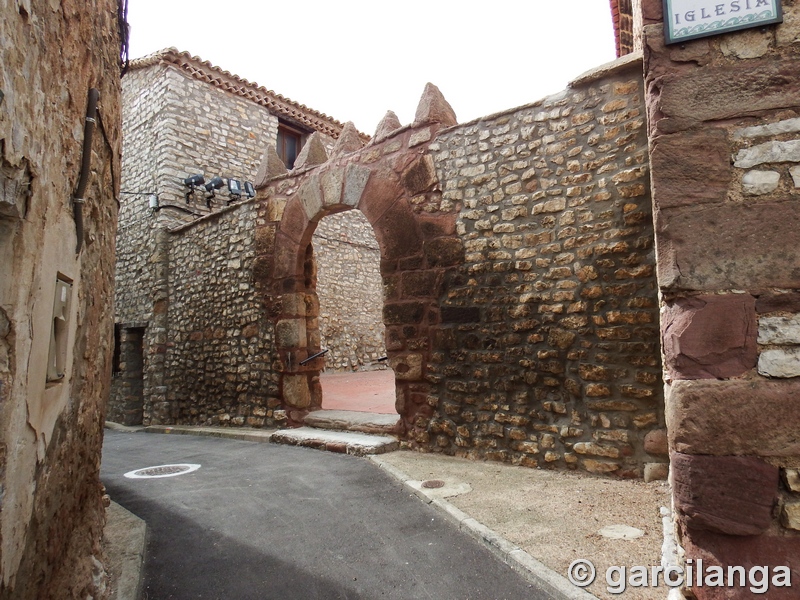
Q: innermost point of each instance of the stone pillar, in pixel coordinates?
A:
(126, 404)
(157, 408)
(725, 155)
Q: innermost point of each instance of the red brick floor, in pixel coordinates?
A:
(365, 391)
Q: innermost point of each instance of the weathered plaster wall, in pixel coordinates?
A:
(350, 292)
(549, 348)
(724, 134)
(51, 517)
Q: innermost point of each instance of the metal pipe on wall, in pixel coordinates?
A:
(86, 162)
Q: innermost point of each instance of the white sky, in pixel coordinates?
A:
(354, 60)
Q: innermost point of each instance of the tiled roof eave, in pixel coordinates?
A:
(204, 71)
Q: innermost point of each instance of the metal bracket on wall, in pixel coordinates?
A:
(312, 357)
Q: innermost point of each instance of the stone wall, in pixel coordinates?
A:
(350, 292)
(207, 130)
(550, 329)
(144, 103)
(724, 131)
(174, 126)
(518, 292)
(517, 255)
(51, 427)
(218, 361)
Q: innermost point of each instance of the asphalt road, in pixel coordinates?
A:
(264, 521)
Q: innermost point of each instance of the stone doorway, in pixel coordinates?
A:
(349, 286)
(400, 198)
(127, 390)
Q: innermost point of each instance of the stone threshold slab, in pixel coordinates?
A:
(352, 420)
(346, 442)
(232, 433)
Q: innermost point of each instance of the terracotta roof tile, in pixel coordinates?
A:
(203, 70)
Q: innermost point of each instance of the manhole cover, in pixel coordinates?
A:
(161, 471)
(433, 483)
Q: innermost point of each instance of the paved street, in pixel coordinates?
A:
(264, 521)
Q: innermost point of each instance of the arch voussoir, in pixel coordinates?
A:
(396, 189)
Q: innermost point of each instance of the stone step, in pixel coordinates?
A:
(346, 442)
(351, 420)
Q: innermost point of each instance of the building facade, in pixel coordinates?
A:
(524, 330)
(723, 120)
(60, 150)
(550, 275)
(185, 117)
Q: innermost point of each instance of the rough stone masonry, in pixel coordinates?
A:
(514, 274)
(518, 264)
(56, 291)
(725, 141)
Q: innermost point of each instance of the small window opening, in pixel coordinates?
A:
(289, 144)
(116, 362)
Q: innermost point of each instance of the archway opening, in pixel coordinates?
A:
(350, 290)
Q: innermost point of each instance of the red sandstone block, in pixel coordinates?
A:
(437, 225)
(708, 337)
(265, 238)
(716, 549)
(652, 11)
(733, 495)
(287, 258)
(758, 417)
(382, 190)
(691, 168)
(730, 91)
(421, 284)
(420, 175)
(770, 302)
(444, 252)
(294, 223)
(397, 232)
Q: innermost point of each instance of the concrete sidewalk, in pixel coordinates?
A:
(537, 521)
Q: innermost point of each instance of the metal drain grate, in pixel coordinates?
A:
(161, 471)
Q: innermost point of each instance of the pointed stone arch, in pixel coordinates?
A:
(396, 188)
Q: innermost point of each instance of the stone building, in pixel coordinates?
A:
(724, 126)
(550, 274)
(184, 117)
(515, 255)
(60, 149)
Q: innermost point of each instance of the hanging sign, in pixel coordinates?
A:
(690, 19)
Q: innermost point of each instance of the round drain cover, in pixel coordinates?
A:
(433, 483)
(161, 471)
